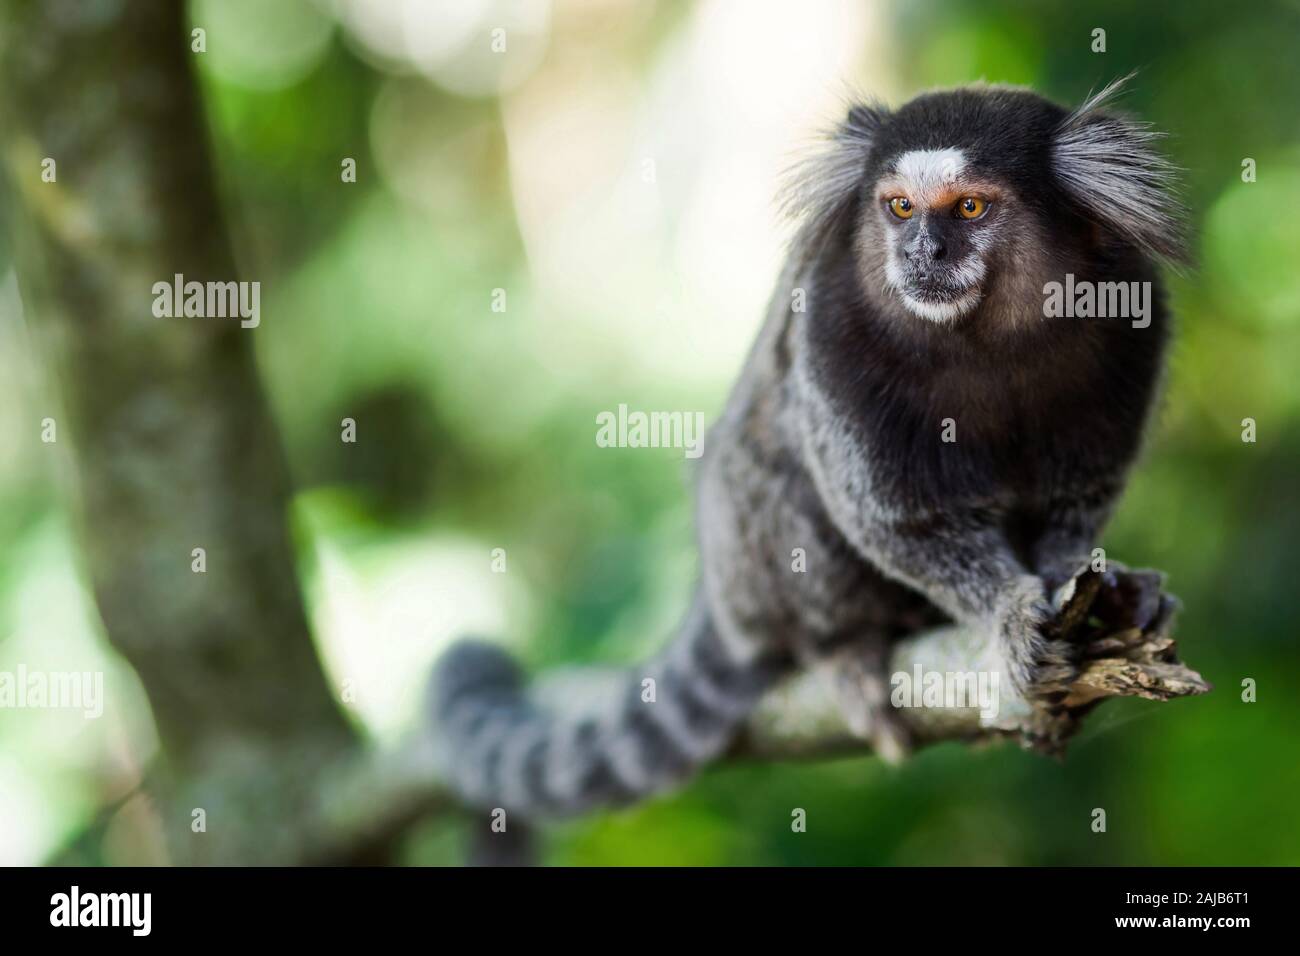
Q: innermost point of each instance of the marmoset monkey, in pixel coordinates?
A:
(937, 441)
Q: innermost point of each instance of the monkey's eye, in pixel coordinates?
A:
(901, 207)
(972, 207)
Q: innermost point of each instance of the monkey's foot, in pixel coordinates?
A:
(861, 688)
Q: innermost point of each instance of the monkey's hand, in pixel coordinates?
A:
(1040, 665)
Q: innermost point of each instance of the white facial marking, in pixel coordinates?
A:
(970, 271)
(927, 172)
(942, 311)
(926, 175)
(894, 277)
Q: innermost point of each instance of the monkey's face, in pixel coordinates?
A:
(939, 222)
(961, 204)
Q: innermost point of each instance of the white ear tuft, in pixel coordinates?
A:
(819, 190)
(1110, 165)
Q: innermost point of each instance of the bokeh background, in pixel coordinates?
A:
(614, 173)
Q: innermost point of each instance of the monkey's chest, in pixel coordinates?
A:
(983, 442)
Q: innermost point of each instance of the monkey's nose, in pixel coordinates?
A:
(925, 252)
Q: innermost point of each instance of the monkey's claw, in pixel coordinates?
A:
(1053, 673)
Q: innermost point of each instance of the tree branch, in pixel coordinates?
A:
(1121, 619)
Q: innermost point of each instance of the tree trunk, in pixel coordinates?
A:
(170, 435)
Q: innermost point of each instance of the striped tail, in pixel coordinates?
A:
(601, 741)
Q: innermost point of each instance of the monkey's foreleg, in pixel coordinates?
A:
(964, 564)
(1072, 528)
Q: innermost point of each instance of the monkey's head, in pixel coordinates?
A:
(961, 204)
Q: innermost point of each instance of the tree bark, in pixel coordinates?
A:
(171, 439)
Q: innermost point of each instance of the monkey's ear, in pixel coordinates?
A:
(821, 190)
(1110, 166)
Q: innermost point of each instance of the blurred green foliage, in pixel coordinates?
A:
(473, 429)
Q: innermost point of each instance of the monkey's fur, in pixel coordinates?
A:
(833, 442)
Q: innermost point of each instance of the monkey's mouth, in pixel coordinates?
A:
(939, 294)
(938, 286)
(937, 291)
(938, 297)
